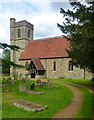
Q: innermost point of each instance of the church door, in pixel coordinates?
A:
(33, 75)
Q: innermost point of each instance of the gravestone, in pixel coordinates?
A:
(32, 86)
(22, 88)
(29, 106)
(12, 81)
(22, 77)
(28, 78)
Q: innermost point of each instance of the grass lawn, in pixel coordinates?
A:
(87, 109)
(55, 98)
(88, 106)
(0, 103)
(0, 97)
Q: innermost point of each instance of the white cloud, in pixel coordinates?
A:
(41, 14)
(2, 32)
(4, 1)
(46, 25)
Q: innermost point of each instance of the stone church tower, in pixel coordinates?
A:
(20, 34)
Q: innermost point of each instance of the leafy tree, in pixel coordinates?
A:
(5, 61)
(79, 25)
(5, 45)
(5, 66)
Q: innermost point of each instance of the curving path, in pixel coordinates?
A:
(74, 107)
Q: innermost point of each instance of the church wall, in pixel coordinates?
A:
(16, 56)
(62, 69)
(20, 41)
(23, 70)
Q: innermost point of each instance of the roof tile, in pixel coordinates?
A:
(46, 48)
(38, 63)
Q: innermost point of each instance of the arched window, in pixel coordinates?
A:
(70, 67)
(19, 33)
(54, 66)
(28, 33)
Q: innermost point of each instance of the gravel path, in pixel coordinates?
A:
(74, 107)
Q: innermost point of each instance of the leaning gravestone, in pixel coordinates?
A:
(22, 88)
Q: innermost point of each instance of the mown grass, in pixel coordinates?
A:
(0, 104)
(0, 96)
(88, 106)
(83, 82)
(55, 98)
(87, 109)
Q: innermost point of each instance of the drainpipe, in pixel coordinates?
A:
(46, 68)
(84, 73)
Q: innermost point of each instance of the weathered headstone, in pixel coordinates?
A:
(22, 88)
(12, 81)
(28, 78)
(32, 86)
(22, 78)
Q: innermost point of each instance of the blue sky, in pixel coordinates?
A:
(44, 15)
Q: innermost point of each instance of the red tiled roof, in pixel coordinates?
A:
(46, 48)
(37, 63)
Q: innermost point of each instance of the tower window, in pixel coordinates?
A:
(28, 33)
(54, 66)
(70, 67)
(19, 33)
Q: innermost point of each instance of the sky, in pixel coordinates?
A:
(43, 14)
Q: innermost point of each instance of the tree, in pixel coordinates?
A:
(6, 61)
(5, 45)
(5, 66)
(79, 25)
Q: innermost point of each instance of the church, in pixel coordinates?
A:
(42, 58)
